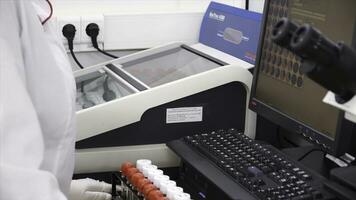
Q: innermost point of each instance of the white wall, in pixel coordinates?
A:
(135, 24)
(257, 5)
(70, 7)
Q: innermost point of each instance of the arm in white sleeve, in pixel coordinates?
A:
(21, 136)
(21, 140)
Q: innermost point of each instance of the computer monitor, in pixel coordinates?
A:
(282, 93)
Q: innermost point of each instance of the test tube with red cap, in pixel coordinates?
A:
(125, 168)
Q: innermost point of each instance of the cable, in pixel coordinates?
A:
(69, 33)
(106, 53)
(309, 152)
(50, 14)
(92, 31)
(75, 59)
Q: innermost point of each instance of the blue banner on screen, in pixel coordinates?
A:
(231, 30)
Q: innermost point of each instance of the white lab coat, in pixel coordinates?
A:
(37, 95)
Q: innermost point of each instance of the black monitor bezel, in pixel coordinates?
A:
(337, 146)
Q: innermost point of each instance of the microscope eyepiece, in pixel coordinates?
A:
(309, 43)
(282, 32)
(300, 36)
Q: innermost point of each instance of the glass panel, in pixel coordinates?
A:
(97, 88)
(168, 66)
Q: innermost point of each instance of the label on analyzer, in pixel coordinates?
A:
(184, 115)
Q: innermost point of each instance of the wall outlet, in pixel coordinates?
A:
(76, 21)
(85, 39)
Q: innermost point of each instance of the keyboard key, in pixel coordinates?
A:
(260, 182)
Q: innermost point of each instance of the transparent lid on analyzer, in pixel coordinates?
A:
(170, 65)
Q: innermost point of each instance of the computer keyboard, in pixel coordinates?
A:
(260, 169)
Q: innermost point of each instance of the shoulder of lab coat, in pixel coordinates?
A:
(30, 165)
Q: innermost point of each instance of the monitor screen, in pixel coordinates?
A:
(279, 83)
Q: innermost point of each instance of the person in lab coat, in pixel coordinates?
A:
(37, 109)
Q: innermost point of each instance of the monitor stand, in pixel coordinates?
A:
(314, 161)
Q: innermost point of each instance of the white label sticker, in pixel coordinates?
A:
(184, 115)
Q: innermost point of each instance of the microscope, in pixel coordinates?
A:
(333, 66)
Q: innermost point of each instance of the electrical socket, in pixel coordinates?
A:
(85, 39)
(76, 21)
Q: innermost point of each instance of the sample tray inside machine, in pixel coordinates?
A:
(98, 86)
